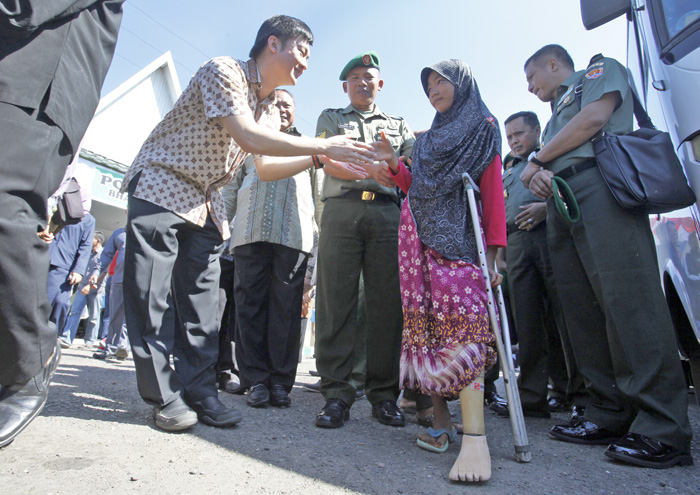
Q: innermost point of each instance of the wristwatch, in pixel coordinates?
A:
(533, 158)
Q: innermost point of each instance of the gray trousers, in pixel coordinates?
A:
(621, 331)
(171, 276)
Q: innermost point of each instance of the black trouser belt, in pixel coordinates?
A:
(367, 196)
(569, 172)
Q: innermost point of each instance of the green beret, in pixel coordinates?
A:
(367, 59)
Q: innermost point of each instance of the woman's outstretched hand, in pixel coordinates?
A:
(385, 152)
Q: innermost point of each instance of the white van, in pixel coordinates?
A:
(663, 61)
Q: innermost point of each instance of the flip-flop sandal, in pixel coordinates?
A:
(451, 437)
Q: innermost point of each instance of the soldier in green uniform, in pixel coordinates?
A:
(359, 236)
(539, 323)
(606, 273)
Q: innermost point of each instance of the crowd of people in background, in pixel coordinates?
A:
(235, 220)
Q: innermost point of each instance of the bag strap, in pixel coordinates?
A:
(643, 119)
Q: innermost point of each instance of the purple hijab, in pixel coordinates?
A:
(463, 139)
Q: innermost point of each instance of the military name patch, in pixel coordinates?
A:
(350, 127)
(594, 73)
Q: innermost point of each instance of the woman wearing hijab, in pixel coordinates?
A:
(447, 339)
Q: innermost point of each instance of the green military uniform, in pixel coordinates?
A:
(359, 235)
(608, 283)
(539, 321)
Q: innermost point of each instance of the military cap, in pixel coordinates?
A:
(367, 59)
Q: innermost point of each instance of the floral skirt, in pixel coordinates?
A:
(447, 340)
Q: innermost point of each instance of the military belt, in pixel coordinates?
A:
(367, 196)
(569, 172)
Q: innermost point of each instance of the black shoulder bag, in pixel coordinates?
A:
(641, 168)
(69, 209)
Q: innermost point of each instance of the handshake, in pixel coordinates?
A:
(385, 159)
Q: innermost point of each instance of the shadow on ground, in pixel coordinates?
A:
(364, 456)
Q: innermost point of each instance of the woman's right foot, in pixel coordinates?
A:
(440, 441)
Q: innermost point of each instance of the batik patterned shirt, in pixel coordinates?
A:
(189, 156)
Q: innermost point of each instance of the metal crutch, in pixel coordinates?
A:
(517, 421)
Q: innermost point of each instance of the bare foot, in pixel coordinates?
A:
(474, 460)
(438, 442)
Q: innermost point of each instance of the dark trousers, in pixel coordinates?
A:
(227, 318)
(494, 372)
(268, 292)
(34, 154)
(544, 348)
(620, 328)
(171, 281)
(358, 237)
(359, 357)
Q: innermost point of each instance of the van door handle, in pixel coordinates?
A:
(659, 85)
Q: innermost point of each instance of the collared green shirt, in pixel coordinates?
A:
(604, 75)
(515, 193)
(365, 127)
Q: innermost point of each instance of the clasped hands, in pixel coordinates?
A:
(538, 180)
(373, 165)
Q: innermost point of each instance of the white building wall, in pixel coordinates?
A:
(126, 116)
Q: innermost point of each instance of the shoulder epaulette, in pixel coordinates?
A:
(595, 59)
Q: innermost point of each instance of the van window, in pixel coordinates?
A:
(679, 14)
(676, 27)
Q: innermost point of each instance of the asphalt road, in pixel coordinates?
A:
(96, 435)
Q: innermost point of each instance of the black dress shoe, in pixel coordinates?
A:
(226, 381)
(212, 412)
(556, 405)
(577, 413)
(388, 413)
(493, 397)
(279, 397)
(258, 396)
(497, 404)
(334, 414)
(583, 432)
(641, 450)
(21, 403)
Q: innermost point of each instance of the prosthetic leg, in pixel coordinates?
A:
(474, 460)
(522, 447)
